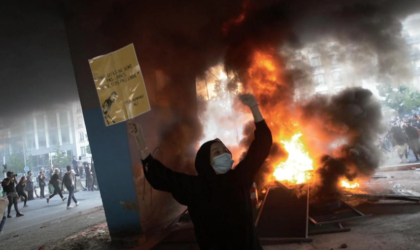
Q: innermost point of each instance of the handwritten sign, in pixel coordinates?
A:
(120, 85)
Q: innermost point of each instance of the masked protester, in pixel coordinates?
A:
(218, 198)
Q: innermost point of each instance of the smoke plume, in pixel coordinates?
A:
(352, 120)
(194, 36)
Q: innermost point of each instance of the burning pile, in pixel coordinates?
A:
(325, 140)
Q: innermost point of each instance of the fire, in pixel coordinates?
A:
(264, 73)
(264, 79)
(346, 184)
(295, 169)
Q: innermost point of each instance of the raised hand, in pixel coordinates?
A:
(248, 100)
(134, 129)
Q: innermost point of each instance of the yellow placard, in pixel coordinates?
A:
(120, 85)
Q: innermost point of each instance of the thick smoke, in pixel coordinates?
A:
(183, 39)
(186, 39)
(353, 120)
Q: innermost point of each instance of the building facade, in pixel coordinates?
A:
(331, 71)
(411, 33)
(35, 137)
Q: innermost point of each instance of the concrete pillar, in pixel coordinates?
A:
(60, 142)
(109, 145)
(47, 136)
(36, 134)
(131, 206)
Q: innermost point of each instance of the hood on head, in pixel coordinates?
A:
(202, 159)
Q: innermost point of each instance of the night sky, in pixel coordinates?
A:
(35, 67)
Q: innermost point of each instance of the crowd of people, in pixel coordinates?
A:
(403, 136)
(14, 188)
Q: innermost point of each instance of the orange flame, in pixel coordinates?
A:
(346, 184)
(295, 169)
(265, 76)
(263, 79)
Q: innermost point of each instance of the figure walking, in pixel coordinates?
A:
(68, 179)
(55, 182)
(20, 189)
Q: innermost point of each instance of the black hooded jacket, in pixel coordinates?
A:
(219, 205)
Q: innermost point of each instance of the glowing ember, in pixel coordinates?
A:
(346, 184)
(295, 169)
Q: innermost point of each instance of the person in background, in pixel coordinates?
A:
(68, 179)
(9, 187)
(218, 198)
(41, 182)
(94, 180)
(80, 166)
(49, 174)
(89, 179)
(417, 117)
(20, 189)
(413, 139)
(75, 166)
(55, 182)
(30, 186)
(400, 142)
(3, 221)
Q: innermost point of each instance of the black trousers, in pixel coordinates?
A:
(41, 187)
(22, 194)
(89, 182)
(30, 194)
(57, 190)
(71, 195)
(13, 198)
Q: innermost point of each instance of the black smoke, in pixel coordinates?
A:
(353, 120)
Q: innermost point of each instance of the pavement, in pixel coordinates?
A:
(40, 214)
(393, 163)
(393, 225)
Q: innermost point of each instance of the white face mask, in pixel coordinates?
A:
(223, 163)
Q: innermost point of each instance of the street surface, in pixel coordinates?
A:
(39, 212)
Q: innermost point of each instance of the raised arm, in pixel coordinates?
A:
(260, 146)
(181, 186)
(135, 130)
